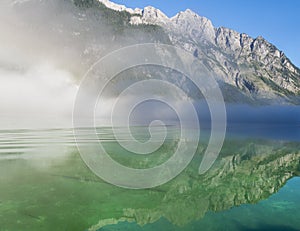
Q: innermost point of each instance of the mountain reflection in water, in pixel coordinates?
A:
(46, 186)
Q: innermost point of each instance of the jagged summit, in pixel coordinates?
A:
(119, 7)
(253, 65)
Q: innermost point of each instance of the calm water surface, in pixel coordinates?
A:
(46, 186)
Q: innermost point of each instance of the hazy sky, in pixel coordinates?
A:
(278, 21)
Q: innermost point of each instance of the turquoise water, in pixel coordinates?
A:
(280, 212)
(45, 185)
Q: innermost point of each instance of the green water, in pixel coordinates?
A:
(46, 186)
(280, 212)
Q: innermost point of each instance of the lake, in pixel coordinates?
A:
(253, 185)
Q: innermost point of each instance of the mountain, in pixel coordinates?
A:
(248, 69)
(252, 65)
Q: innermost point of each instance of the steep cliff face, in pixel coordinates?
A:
(252, 65)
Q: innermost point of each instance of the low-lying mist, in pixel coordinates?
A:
(47, 47)
(45, 51)
(40, 96)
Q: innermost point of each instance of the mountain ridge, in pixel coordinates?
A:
(249, 70)
(253, 65)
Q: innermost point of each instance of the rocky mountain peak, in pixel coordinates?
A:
(253, 65)
(151, 15)
(188, 13)
(192, 24)
(118, 7)
(249, 68)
